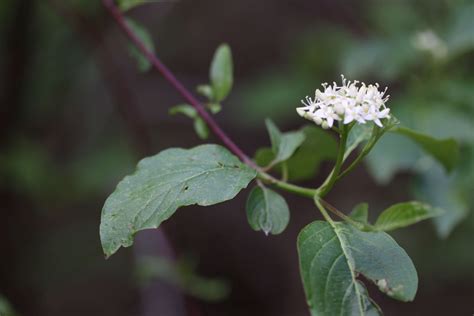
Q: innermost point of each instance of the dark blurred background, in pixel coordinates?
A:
(76, 115)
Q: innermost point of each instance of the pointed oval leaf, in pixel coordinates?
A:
(267, 211)
(405, 214)
(200, 127)
(317, 147)
(358, 134)
(446, 151)
(184, 109)
(284, 145)
(221, 73)
(360, 213)
(361, 133)
(204, 175)
(332, 256)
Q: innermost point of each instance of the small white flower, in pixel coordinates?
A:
(308, 108)
(347, 103)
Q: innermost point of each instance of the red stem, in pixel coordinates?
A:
(170, 77)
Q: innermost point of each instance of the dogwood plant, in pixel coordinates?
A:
(333, 253)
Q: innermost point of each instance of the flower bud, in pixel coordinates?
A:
(301, 112)
(318, 120)
(339, 109)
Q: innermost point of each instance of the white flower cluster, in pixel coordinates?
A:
(348, 102)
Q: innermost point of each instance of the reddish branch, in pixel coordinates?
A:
(171, 78)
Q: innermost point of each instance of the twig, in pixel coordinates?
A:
(170, 77)
(194, 102)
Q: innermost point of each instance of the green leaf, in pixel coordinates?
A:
(331, 258)
(221, 73)
(206, 91)
(405, 214)
(283, 144)
(386, 158)
(361, 133)
(204, 175)
(267, 211)
(126, 5)
(443, 191)
(184, 109)
(201, 128)
(264, 156)
(360, 213)
(358, 134)
(214, 107)
(317, 147)
(446, 151)
(142, 33)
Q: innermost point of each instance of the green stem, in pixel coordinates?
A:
(365, 151)
(321, 204)
(306, 192)
(358, 225)
(323, 210)
(333, 176)
(284, 171)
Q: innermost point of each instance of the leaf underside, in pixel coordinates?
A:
(332, 257)
(405, 214)
(267, 211)
(204, 175)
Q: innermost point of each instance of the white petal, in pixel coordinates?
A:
(330, 121)
(360, 119)
(320, 113)
(384, 113)
(377, 121)
(319, 95)
(348, 119)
